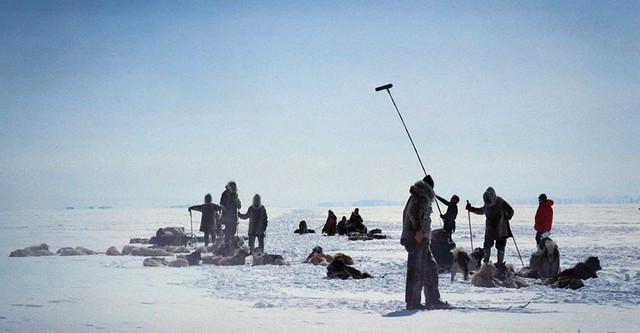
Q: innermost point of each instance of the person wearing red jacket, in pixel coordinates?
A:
(544, 217)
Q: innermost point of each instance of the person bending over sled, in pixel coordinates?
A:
(497, 213)
(422, 270)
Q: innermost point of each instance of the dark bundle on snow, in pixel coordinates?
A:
(303, 229)
(441, 248)
(371, 235)
(339, 269)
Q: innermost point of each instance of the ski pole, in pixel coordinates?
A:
(387, 87)
(192, 239)
(516, 244)
(191, 219)
(439, 211)
(470, 234)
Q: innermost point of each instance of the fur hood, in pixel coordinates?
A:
(492, 195)
(422, 189)
(547, 203)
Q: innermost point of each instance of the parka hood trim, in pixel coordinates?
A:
(421, 188)
(492, 194)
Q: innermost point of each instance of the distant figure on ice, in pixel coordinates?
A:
(303, 229)
(544, 218)
(422, 270)
(497, 229)
(257, 215)
(331, 225)
(209, 220)
(450, 216)
(356, 223)
(342, 226)
(230, 202)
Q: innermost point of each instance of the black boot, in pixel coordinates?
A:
(500, 258)
(418, 307)
(437, 305)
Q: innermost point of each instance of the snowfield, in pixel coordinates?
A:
(118, 294)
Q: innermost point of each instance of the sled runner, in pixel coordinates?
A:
(488, 308)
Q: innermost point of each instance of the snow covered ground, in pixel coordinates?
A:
(118, 294)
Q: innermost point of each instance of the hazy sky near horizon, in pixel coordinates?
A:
(138, 103)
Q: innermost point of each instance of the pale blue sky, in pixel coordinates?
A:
(155, 103)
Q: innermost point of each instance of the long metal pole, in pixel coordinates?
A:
(387, 87)
(407, 130)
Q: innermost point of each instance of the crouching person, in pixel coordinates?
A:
(422, 270)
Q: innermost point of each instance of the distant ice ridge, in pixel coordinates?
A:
(362, 203)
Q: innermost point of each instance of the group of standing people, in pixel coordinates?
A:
(227, 213)
(422, 270)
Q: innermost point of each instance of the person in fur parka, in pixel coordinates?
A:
(231, 203)
(209, 221)
(422, 269)
(257, 215)
(497, 229)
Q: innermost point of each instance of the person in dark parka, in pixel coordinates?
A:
(422, 269)
(356, 223)
(497, 229)
(331, 225)
(450, 216)
(257, 215)
(303, 229)
(209, 220)
(231, 204)
(342, 226)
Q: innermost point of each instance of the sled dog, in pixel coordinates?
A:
(485, 277)
(262, 258)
